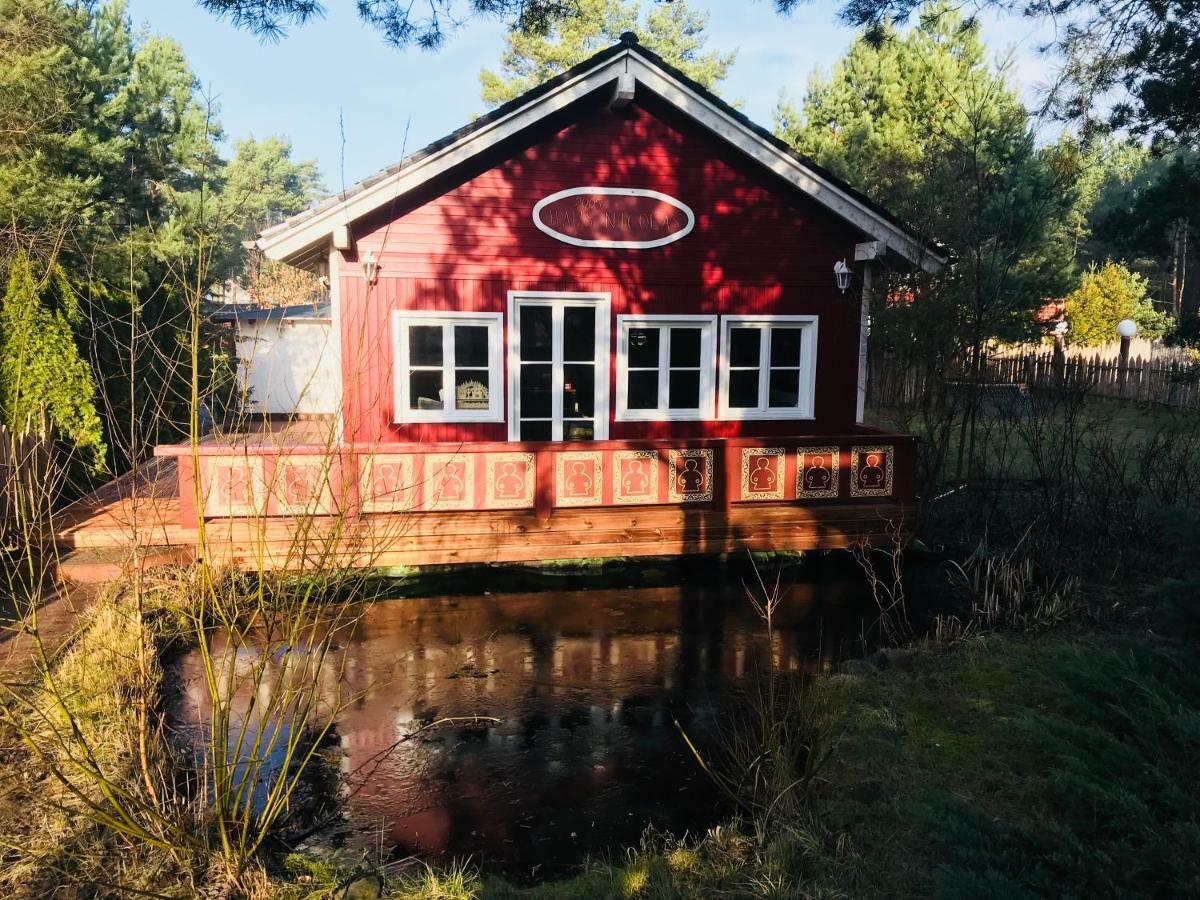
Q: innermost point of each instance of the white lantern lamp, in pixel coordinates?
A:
(1126, 328)
(841, 272)
(370, 267)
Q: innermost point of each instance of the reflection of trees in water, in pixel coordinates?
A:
(587, 686)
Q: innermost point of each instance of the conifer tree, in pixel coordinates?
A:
(921, 121)
(1105, 296)
(111, 179)
(675, 31)
(45, 384)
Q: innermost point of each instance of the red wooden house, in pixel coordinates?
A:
(612, 317)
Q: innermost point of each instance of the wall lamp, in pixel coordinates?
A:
(370, 267)
(841, 272)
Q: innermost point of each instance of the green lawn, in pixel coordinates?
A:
(1021, 766)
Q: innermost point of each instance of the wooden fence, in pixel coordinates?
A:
(1174, 384)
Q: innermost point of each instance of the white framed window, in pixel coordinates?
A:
(768, 367)
(448, 366)
(665, 368)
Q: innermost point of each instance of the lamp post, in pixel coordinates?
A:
(1126, 328)
(1060, 347)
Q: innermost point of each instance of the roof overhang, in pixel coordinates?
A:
(306, 237)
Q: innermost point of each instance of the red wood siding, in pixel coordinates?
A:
(757, 247)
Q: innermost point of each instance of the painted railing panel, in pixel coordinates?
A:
(264, 480)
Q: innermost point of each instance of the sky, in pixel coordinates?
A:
(355, 105)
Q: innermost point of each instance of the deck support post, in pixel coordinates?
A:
(543, 498)
(725, 485)
(185, 478)
(346, 485)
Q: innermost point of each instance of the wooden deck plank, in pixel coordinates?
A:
(567, 543)
(144, 510)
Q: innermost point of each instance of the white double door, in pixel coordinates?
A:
(558, 361)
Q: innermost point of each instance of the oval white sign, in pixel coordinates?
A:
(620, 218)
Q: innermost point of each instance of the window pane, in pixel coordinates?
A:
(425, 345)
(579, 333)
(471, 389)
(579, 431)
(425, 389)
(535, 332)
(471, 345)
(743, 346)
(535, 391)
(685, 347)
(643, 348)
(684, 390)
(536, 431)
(784, 388)
(579, 391)
(743, 388)
(643, 390)
(785, 346)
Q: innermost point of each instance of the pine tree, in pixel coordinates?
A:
(919, 120)
(674, 31)
(111, 179)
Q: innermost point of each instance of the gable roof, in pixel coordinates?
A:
(303, 237)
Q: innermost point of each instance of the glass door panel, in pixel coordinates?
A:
(561, 370)
(535, 377)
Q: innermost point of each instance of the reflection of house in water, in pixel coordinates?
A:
(587, 687)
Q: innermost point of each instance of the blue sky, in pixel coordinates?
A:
(337, 70)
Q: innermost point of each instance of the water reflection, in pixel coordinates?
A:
(586, 686)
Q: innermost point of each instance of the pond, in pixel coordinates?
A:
(587, 687)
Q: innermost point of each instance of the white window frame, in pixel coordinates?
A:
(663, 412)
(808, 368)
(401, 319)
(602, 301)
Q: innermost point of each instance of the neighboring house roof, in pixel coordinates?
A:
(303, 237)
(1051, 312)
(322, 312)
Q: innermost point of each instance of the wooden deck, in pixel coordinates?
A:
(145, 511)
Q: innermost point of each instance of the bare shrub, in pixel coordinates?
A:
(777, 741)
(883, 568)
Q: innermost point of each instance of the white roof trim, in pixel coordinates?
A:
(284, 241)
(788, 167)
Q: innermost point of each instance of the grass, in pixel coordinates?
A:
(87, 722)
(1022, 766)
(1123, 418)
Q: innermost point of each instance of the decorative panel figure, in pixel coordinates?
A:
(635, 476)
(578, 478)
(762, 473)
(510, 478)
(871, 471)
(449, 481)
(387, 483)
(691, 476)
(301, 486)
(817, 472)
(234, 486)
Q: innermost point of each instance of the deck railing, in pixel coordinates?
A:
(261, 478)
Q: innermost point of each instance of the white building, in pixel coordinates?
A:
(286, 358)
